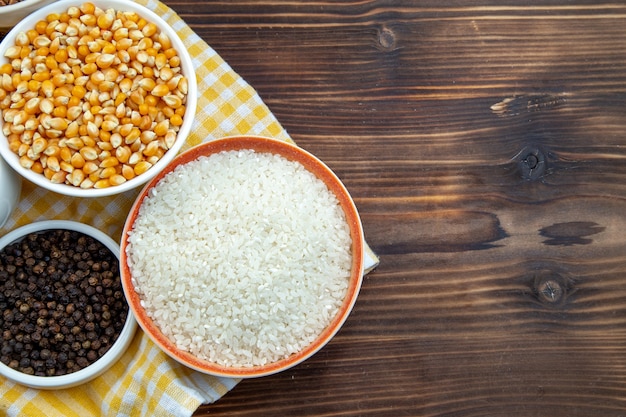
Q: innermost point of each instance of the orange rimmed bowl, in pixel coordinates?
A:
(134, 292)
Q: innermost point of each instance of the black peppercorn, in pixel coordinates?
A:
(61, 302)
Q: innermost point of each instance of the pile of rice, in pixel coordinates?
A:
(241, 258)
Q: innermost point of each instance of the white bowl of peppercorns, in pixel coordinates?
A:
(96, 97)
(64, 319)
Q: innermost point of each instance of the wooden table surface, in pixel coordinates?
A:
(485, 146)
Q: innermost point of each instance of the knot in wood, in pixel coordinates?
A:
(387, 39)
(532, 163)
(550, 291)
(550, 287)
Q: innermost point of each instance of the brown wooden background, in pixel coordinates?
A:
(484, 143)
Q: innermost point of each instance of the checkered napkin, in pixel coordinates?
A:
(146, 382)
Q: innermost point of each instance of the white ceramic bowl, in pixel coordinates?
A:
(188, 118)
(11, 185)
(116, 350)
(11, 15)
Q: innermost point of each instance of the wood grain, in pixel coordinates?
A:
(484, 145)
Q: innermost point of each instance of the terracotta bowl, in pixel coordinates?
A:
(321, 171)
(187, 68)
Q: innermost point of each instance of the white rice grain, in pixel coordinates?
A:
(241, 258)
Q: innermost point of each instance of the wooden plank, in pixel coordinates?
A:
(484, 146)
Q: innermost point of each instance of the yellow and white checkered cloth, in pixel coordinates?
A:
(146, 382)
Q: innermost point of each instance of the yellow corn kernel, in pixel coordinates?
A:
(77, 160)
(104, 61)
(88, 19)
(86, 184)
(170, 139)
(52, 163)
(60, 111)
(105, 146)
(51, 62)
(151, 149)
(41, 76)
(75, 143)
(32, 105)
(160, 90)
(141, 167)
(132, 137)
(109, 125)
(147, 136)
(176, 120)
(6, 69)
(174, 61)
(162, 127)
(117, 179)
(46, 106)
(105, 137)
(151, 100)
(83, 50)
(52, 150)
(115, 140)
(65, 154)
(102, 183)
(164, 40)
(122, 154)
(47, 88)
(76, 177)
(26, 162)
(92, 130)
(135, 158)
(173, 101)
(72, 129)
(73, 113)
(58, 123)
(147, 72)
(160, 61)
(13, 52)
(89, 69)
(145, 123)
(37, 167)
(90, 168)
(79, 91)
(39, 145)
(61, 55)
(143, 109)
(107, 172)
(58, 177)
(120, 99)
(109, 162)
(74, 101)
(105, 20)
(88, 153)
(48, 173)
(34, 85)
(137, 146)
(66, 167)
(128, 172)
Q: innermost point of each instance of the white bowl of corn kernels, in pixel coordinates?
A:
(96, 98)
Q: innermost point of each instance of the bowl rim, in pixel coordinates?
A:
(24, 4)
(321, 171)
(182, 135)
(115, 351)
